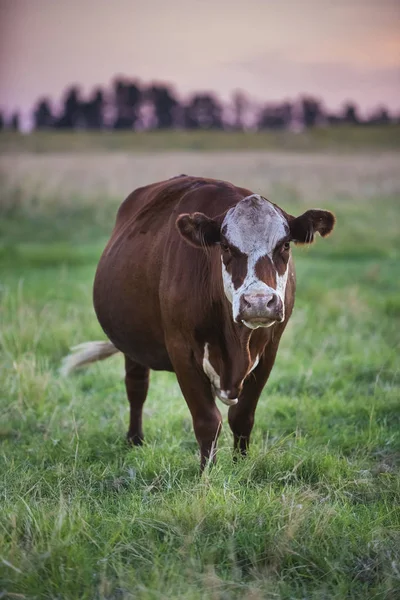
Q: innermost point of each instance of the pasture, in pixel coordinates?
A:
(313, 512)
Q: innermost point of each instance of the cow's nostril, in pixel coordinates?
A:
(272, 301)
(246, 302)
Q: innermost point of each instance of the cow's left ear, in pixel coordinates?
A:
(304, 227)
(198, 229)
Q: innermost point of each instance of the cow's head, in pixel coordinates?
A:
(254, 237)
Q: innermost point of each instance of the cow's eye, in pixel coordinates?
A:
(286, 246)
(224, 247)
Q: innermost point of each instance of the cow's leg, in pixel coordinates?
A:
(137, 384)
(197, 391)
(207, 423)
(241, 415)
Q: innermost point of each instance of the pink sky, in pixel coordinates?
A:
(337, 50)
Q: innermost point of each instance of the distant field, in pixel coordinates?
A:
(314, 511)
(332, 139)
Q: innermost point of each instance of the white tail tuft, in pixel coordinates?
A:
(86, 353)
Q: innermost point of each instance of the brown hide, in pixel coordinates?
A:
(160, 300)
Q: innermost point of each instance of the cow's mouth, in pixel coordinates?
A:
(259, 322)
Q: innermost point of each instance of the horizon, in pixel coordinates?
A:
(336, 53)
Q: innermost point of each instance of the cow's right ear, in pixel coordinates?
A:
(198, 229)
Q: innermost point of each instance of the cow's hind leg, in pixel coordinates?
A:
(137, 384)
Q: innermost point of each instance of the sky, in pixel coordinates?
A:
(338, 50)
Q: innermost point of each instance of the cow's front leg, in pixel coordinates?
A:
(241, 415)
(207, 423)
(197, 391)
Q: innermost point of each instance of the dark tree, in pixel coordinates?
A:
(42, 116)
(333, 119)
(312, 111)
(93, 111)
(1, 121)
(122, 120)
(128, 106)
(14, 121)
(350, 115)
(164, 104)
(240, 104)
(380, 117)
(275, 116)
(127, 97)
(134, 98)
(203, 112)
(72, 115)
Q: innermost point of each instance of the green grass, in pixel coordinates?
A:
(340, 138)
(312, 512)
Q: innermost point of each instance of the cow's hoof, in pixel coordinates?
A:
(134, 440)
(238, 454)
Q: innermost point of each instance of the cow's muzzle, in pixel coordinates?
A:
(260, 310)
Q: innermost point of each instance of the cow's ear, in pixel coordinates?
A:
(198, 229)
(304, 227)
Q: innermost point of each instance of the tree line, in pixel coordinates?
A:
(127, 105)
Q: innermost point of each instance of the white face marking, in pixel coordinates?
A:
(281, 281)
(255, 227)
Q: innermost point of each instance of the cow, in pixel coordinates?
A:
(198, 279)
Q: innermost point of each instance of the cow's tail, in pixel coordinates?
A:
(86, 353)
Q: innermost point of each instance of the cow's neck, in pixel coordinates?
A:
(237, 362)
(231, 352)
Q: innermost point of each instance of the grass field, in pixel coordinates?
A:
(312, 513)
(334, 139)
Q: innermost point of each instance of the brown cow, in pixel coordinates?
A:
(198, 279)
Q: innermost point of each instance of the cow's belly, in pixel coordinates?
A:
(143, 350)
(140, 344)
(128, 311)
